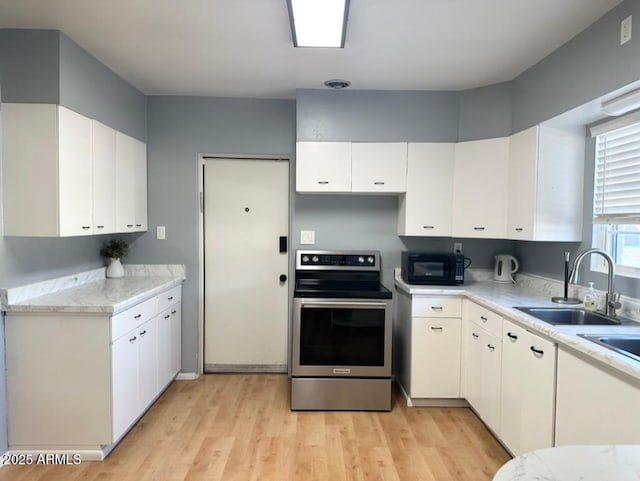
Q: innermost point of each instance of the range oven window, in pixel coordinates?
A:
(342, 336)
(430, 269)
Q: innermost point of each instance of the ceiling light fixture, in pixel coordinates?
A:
(622, 104)
(337, 84)
(318, 23)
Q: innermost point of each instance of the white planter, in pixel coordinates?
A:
(115, 269)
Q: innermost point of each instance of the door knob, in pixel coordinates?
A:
(283, 277)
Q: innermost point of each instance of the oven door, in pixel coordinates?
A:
(341, 338)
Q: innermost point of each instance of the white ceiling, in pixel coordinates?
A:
(242, 48)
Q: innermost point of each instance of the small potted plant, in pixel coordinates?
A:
(115, 250)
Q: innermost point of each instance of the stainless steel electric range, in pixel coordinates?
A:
(341, 335)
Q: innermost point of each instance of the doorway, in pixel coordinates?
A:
(246, 262)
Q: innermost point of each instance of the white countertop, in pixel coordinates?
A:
(502, 298)
(574, 463)
(92, 292)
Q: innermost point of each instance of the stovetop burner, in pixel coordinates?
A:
(339, 274)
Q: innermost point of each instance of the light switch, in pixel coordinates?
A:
(307, 237)
(161, 232)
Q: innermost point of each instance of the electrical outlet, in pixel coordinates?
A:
(625, 30)
(457, 247)
(161, 232)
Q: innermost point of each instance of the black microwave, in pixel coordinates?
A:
(425, 268)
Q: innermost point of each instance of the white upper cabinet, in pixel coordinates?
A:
(323, 167)
(379, 167)
(480, 188)
(545, 184)
(104, 179)
(60, 174)
(131, 184)
(425, 210)
(47, 173)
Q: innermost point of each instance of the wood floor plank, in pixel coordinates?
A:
(239, 427)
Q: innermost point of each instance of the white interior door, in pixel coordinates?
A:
(246, 211)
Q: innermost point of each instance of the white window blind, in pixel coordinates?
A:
(617, 177)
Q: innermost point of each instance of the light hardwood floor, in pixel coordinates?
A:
(239, 427)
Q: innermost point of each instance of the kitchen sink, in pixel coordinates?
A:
(564, 316)
(627, 344)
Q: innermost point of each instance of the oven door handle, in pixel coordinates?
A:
(379, 305)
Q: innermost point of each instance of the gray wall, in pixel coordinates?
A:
(29, 72)
(589, 66)
(29, 65)
(485, 112)
(180, 128)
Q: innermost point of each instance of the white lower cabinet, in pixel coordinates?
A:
(482, 362)
(97, 374)
(594, 405)
(528, 390)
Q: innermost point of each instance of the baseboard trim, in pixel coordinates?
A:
(432, 402)
(187, 376)
(245, 368)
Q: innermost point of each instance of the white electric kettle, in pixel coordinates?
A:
(505, 267)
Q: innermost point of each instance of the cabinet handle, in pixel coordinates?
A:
(170, 298)
(475, 336)
(99, 227)
(138, 225)
(513, 337)
(137, 316)
(133, 339)
(436, 308)
(323, 182)
(519, 229)
(378, 183)
(433, 328)
(491, 348)
(478, 228)
(85, 227)
(484, 319)
(129, 225)
(173, 312)
(537, 352)
(430, 227)
(143, 333)
(167, 316)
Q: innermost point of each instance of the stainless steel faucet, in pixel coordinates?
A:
(612, 299)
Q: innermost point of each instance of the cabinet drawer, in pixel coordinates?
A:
(169, 298)
(435, 306)
(134, 316)
(487, 319)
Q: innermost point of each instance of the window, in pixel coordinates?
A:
(616, 199)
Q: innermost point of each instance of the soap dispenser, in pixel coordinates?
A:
(590, 299)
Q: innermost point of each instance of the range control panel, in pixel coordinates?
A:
(347, 260)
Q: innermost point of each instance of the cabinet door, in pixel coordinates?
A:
(125, 183)
(164, 348)
(425, 210)
(323, 167)
(139, 185)
(490, 367)
(538, 393)
(176, 339)
(379, 167)
(480, 182)
(124, 382)
(435, 363)
(148, 362)
(527, 391)
(75, 179)
(471, 382)
(593, 405)
(523, 162)
(104, 178)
